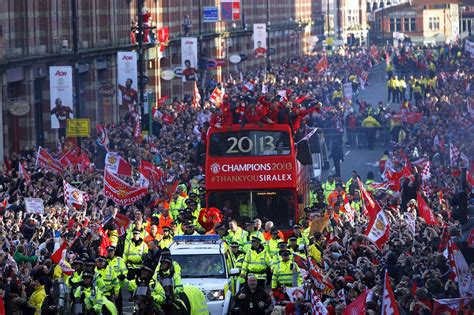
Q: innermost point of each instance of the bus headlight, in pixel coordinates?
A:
(215, 295)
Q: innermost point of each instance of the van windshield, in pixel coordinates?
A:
(201, 266)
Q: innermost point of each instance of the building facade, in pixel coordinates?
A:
(35, 35)
(422, 21)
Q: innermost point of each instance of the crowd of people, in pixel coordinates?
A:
(303, 92)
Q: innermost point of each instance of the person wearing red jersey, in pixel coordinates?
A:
(252, 115)
(218, 119)
(298, 112)
(62, 113)
(129, 95)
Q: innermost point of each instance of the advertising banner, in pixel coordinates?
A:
(60, 90)
(189, 58)
(257, 171)
(260, 40)
(127, 82)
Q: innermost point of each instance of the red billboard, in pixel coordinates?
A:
(251, 173)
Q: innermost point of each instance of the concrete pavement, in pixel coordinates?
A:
(358, 159)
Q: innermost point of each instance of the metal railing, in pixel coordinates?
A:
(357, 138)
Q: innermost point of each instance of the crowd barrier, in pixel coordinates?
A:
(357, 138)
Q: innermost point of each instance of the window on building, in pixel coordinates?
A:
(398, 24)
(412, 24)
(409, 25)
(433, 23)
(395, 24)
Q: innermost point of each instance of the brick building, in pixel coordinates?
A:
(35, 35)
(423, 21)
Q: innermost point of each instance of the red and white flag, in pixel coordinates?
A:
(152, 173)
(23, 174)
(379, 229)
(103, 137)
(47, 162)
(248, 86)
(450, 306)
(105, 242)
(115, 164)
(67, 270)
(371, 205)
(120, 192)
(216, 97)
(357, 307)
(137, 131)
(70, 157)
(454, 155)
(349, 211)
(322, 64)
(74, 197)
(122, 222)
(196, 96)
(389, 304)
(425, 212)
(58, 254)
(317, 306)
(425, 171)
(463, 275)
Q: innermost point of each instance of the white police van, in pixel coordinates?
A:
(206, 262)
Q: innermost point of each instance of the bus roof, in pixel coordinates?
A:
(238, 127)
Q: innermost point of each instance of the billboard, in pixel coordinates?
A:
(127, 85)
(61, 99)
(260, 40)
(189, 58)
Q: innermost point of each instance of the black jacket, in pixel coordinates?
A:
(249, 305)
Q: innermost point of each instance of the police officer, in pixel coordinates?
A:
(272, 243)
(238, 255)
(133, 254)
(75, 279)
(118, 265)
(329, 186)
(256, 261)
(286, 272)
(92, 297)
(251, 232)
(157, 293)
(111, 286)
(167, 238)
(168, 273)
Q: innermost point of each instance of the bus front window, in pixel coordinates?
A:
(274, 205)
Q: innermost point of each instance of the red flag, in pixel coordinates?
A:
(357, 307)
(470, 178)
(370, 204)
(121, 192)
(443, 244)
(460, 268)
(22, 173)
(425, 212)
(47, 162)
(389, 304)
(105, 242)
(83, 162)
(412, 117)
(70, 157)
(379, 229)
(115, 164)
(163, 37)
(58, 254)
(122, 222)
(196, 96)
(322, 64)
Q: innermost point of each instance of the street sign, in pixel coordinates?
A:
(211, 63)
(235, 58)
(210, 14)
(79, 127)
(220, 62)
(145, 79)
(178, 71)
(167, 75)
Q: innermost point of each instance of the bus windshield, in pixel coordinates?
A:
(276, 205)
(249, 143)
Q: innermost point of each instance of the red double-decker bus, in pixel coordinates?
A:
(253, 172)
